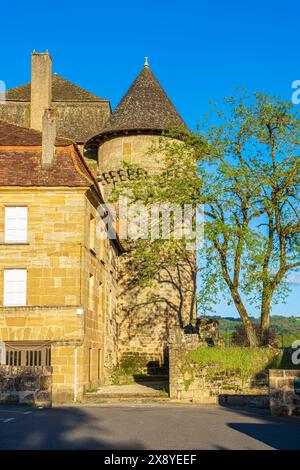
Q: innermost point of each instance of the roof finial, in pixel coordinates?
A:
(146, 64)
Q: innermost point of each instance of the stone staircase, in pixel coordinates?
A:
(144, 390)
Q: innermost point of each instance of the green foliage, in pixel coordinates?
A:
(244, 362)
(92, 390)
(286, 340)
(120, 377)
(243, 166)
(287, 328)
(133, 363)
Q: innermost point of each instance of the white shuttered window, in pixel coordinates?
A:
(15, 287)
(16, 219)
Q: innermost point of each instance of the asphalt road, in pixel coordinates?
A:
(163, 427)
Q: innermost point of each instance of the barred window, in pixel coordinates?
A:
(31, 355)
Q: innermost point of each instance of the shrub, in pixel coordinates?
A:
(239, 337)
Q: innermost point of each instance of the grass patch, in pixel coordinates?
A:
(242, 361)
(92, 390)
(121, 377)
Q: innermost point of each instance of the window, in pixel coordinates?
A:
(99, 363)
(127, 151)
(27, 355)
(13, 358)
(100, 299)
(90, 364)
(16, 224)
(92, 232)
(91, 292)
(15, 287)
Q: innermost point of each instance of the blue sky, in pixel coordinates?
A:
(199, 50)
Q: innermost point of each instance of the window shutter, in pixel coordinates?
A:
(15, 287)
(16, 219)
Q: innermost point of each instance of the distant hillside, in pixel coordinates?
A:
(287, 328)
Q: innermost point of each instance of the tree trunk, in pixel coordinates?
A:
(244, 316)
(265, 317)
(193, 309)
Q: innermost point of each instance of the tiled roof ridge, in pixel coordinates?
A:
(15, 93)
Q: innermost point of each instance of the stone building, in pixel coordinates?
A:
(65, 296)
(58, 282)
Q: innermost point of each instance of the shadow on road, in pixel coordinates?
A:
(281, 433)
(58, 429)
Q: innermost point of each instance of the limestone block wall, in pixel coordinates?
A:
(133, 149)
(61, 306)
(26, 385)
(191, 384)
(63, 327)
(41, 323)
(283, 397)
(100, 318)
(52, 255)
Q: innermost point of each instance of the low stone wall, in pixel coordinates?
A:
(26, 385)
(283, 397)
(191, 384)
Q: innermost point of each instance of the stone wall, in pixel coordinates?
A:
(283, 397)
(191, 384)
(133, 149)
(62, 307)
(78, 121)
(26, 385)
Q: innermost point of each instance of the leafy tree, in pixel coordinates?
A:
(244, 169)
(252, 198)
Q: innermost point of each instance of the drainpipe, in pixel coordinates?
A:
(75, 373)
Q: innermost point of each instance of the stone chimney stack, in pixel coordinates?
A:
(48, 137)
(41, 87)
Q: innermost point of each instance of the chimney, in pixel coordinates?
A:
(48, 138)
(41, 87)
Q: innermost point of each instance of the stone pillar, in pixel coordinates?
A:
(41, 87)
(48, 137)
(284, 392)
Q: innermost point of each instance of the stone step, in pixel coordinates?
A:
(125, 395)
(94, 398)
(135, 391)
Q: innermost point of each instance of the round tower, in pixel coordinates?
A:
(138, 122)
(143, 115)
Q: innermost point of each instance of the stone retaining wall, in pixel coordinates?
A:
(283, 397)
(192, 384)
(26, 385)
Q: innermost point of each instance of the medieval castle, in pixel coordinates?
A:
(66, 296)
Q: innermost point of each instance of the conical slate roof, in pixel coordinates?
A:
(145, 107)
(62, 90)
